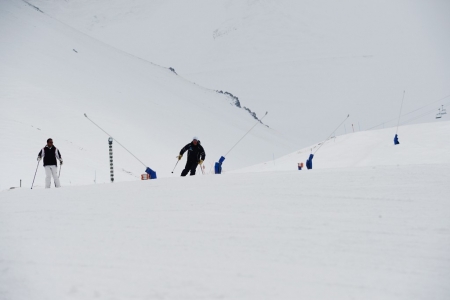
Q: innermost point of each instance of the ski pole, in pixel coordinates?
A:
(59, 170)
(175, 166)
(35, 174)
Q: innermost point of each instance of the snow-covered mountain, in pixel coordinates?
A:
(309, 63)
(51, 74)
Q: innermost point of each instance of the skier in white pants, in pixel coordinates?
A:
(51, 155)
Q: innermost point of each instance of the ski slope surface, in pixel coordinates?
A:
(347, 233)
(370, 221)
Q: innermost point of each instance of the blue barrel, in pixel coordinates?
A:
(218, 165)
(309, 161)
(151, 173)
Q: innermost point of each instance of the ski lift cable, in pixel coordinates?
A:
(420, 116)
(426, 105)
(408, 113)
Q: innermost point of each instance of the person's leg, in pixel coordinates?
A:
(186, 168)
(48, 176)
(55, 176)
(184, 172)
(193, 168)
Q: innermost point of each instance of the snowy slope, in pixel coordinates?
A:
(371, 221)
(52, 74)
(353, 233)
(420, 144)
(308, 62)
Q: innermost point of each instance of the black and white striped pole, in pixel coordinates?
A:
(149, 171)
(111, 165)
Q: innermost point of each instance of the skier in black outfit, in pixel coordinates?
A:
(51, 155)
(196, 156)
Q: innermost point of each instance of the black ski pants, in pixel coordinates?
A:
(191, 165)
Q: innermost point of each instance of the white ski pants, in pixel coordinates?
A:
(49, 172)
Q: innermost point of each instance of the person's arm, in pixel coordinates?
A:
(202, 153)
(41, 154)
(58, 155)
(184, 149)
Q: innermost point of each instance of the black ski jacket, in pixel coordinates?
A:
(195, 153)
(50, 156)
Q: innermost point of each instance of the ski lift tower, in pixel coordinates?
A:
(439, 114)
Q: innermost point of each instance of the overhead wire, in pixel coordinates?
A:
(408, 113)
(422, 115)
